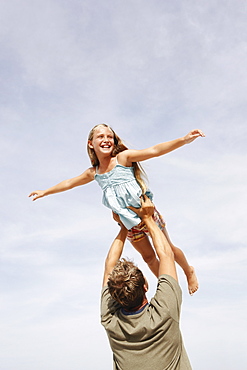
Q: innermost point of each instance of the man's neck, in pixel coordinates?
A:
(137, 308)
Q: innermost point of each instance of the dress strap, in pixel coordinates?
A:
(116, 160)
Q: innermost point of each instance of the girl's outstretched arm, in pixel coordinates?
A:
(157, 150)
(86, 177)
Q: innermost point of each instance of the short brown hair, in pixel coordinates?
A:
(126, 284)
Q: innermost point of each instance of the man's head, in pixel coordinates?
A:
(127, 284)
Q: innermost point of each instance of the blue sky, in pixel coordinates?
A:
(153, 70)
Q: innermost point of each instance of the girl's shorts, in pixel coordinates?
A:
(139, 232)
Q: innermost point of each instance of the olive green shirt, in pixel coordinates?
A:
(149, 339)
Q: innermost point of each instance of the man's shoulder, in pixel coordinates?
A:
(105, 296)
(168, 296)
(168, 279)
(108, 305)
(169, 286)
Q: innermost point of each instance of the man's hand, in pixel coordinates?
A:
(117, 219)
(146, 210)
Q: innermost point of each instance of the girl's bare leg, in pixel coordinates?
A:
(145, 248)
(183, 263)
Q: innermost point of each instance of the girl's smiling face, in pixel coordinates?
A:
(103, 140)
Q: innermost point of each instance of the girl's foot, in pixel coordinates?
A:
(192, 281)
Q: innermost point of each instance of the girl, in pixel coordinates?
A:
(116, 169)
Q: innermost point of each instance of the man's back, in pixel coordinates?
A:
(148, 339)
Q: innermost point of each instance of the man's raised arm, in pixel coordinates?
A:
(115, 251)
(161, 244)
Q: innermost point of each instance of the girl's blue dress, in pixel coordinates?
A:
(121, 190)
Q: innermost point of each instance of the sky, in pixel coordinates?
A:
(153, 70)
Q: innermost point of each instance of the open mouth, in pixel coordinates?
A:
(105, 146)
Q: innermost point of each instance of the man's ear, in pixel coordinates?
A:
(89, 143)
(145, 285)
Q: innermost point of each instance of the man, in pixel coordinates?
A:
(142, 335)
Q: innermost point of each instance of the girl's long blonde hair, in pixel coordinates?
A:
(118, 148)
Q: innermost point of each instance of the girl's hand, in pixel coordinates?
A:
(192, 135)
(38, 193)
